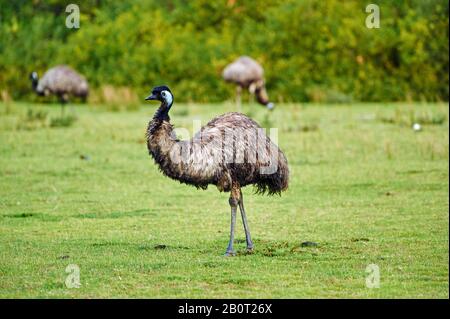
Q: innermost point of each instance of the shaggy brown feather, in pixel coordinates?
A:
(62, 81)
(210, 158)
(248, 74)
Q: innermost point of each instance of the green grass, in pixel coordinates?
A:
(366, 190)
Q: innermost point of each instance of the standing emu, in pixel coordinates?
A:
(247, 74)
(231, 151)
(61, 81)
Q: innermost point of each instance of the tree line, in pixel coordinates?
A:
(320, 51)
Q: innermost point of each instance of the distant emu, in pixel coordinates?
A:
(247, 74)
(231, 151)
(61, 81)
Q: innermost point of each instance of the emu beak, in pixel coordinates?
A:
(151, 97)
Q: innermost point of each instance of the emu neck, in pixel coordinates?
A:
(34, 84)
(261, 96)
(162, 113)
(160, 137)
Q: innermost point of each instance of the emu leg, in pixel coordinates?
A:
(234, 201)
(233, 204)
(248, 238)
(238, 97)
(64, 98)
(63, 106)
(63, 109)
(251, 90)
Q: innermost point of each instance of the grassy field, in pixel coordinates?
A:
(364, 186)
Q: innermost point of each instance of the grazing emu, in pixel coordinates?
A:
(61, 81)
(231, 151)
(247, 73)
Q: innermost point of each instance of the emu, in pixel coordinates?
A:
(230, 152)
(247, 74)
(61, 81)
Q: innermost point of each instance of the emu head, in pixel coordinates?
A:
(259, 89)
(162, 94)
(34, 79)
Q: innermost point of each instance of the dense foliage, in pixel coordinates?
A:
(311, 50)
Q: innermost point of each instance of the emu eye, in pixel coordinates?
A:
(163, 94)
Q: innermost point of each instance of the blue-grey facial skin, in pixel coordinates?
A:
(168, 97)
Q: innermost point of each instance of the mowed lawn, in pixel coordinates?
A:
(364, 186)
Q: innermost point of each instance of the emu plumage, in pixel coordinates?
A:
(61, 81)
(249, 157)
(246, 73)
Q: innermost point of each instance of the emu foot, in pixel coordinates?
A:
(250, 250)
(230, 253)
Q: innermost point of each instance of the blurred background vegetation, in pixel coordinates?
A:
(319, 51)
